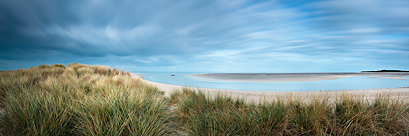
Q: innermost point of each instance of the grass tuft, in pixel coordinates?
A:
(80, 100)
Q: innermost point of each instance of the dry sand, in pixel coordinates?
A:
(258, 96)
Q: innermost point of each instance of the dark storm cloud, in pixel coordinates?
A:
(95, 28)
(99, 28)
(21, 22)
(176, 34)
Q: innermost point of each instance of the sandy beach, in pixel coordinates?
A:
(258, 96)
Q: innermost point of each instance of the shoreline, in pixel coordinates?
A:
(292, 77)
(258, 96)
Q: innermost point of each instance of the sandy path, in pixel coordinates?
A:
(258, 96)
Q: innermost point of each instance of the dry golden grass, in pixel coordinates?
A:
(200, 114)
(80, 100)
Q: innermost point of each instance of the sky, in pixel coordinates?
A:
(207, 35)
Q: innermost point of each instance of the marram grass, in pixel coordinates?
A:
(200, 114)
(80, 100)
(95, 100)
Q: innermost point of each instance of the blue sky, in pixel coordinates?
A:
(207, 35)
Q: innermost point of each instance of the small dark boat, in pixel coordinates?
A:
(173, 74)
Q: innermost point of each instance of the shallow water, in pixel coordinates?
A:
(348, 83)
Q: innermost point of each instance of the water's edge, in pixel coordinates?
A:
(346, 83)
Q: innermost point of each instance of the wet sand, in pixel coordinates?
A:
(393, 77)
(257, 96)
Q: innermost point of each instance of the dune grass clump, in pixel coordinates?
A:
(102, 70)
(85, 71)
(76, 66)
(123, 113)
(59, 65)
(36, 113)
(310, 117)
(390, 113)
(222, 115)
(200, 114)
(77, 100)
(380, 116)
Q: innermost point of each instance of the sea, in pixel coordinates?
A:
(348, 83)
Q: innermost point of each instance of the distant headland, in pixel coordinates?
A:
(386, 70)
